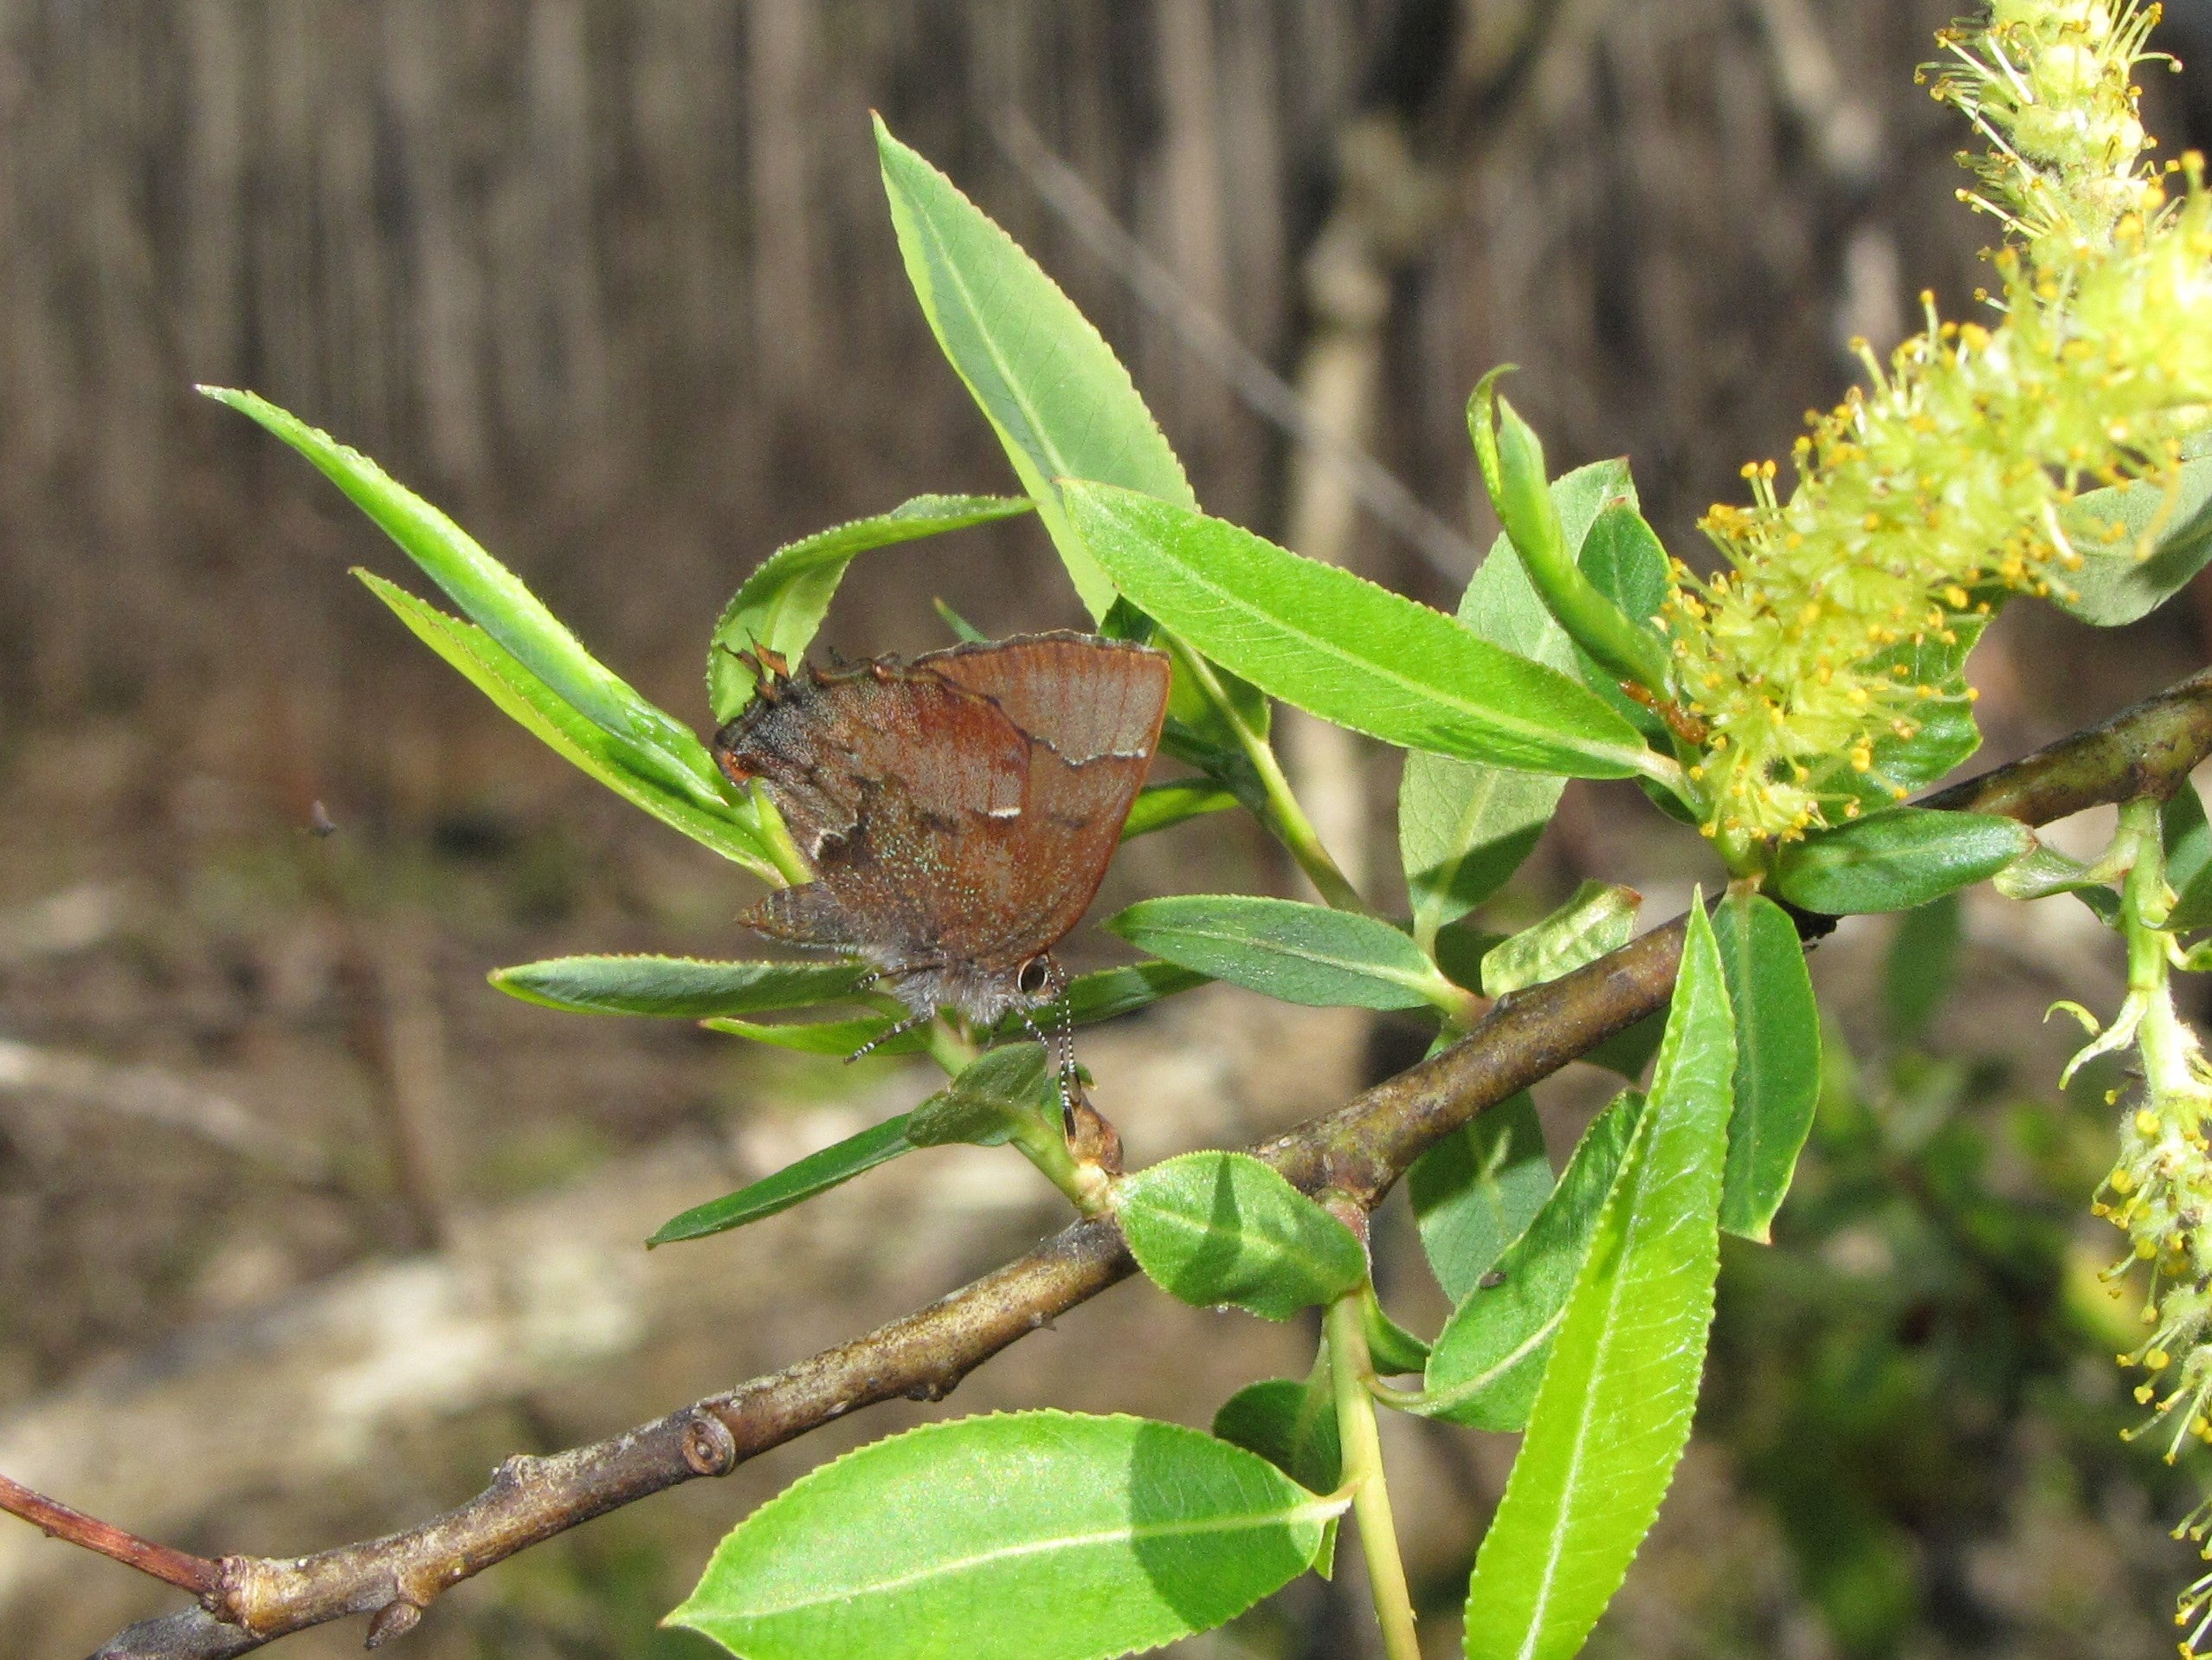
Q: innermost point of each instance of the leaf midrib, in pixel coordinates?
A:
(1313, 1510)
(1412, 979)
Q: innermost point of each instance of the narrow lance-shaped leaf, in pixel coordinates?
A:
(1512, 463)
(1613, 1413)
(1063, 405)
(614, 761)
(1159, 805)
(2189, 859)
(496, 600)
(1105, 994)
(994, 1100)
(1052, 389)
(1624, 561)
(1895, 860)
(1298, 952)
(843, 1038)
(1463, 828)
(783, 601)
(1485, 1364)
(1476, 1190)
(684, 988)
(1621, 554)
(1345, 650)
(1597, 918)
(1777, 1058)
(962, 630)
(1021, 1536)
(1222, 1227)
(816, 1173)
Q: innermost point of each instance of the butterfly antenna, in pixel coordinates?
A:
(1063, 1035)
(888, 1033)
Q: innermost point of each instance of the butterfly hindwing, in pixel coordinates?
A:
(959, 811)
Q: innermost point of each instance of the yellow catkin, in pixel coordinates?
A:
(1837, 592)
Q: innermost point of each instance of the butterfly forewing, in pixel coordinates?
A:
(1087, 698)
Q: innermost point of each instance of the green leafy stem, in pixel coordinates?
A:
(1359, 1150)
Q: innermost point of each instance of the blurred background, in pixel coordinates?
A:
(302, 1226)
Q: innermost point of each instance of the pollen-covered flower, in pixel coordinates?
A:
(1847, 604)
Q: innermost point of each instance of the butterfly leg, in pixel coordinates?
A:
(890, 1032)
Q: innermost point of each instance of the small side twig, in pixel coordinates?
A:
(2147, 749)
(57, 1520)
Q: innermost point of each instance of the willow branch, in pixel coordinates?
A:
(2147, 749)
(1359, 1150)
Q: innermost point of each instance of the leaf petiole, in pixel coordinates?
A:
(1352, 1373)
(1285, 819)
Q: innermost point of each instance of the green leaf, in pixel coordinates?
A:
(1350, 652)
(2140, 543)
(1511, 463)
(962, 630)
(1158, 805)
(1622, 554)
(2189, 859)
(1020, 1536)
(1596, 919)
(1291, 1425)
(2043, 871)
(1921, 964)
(1476, 1190)
(1624, 561)
(1892, 861)
(839, 1037)
(1390, 1348)
(995, 1095)
(1105, 994)
(1300, 954)
(1459, 950)
(495, 598)
(783, 601)
(1613, 1413)
(1463, 828)
(615, 762)
(1222, 1227)
(681, 987)
(1778, 1081)
(1944, 734)
(1485, 1365)
(816, 1173)
(1052, 389)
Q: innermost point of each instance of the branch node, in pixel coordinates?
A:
(395, 1618)
(709, 1448)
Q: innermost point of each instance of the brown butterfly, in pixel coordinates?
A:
(958, 811)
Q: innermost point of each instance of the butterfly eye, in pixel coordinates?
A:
(1034, 977)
